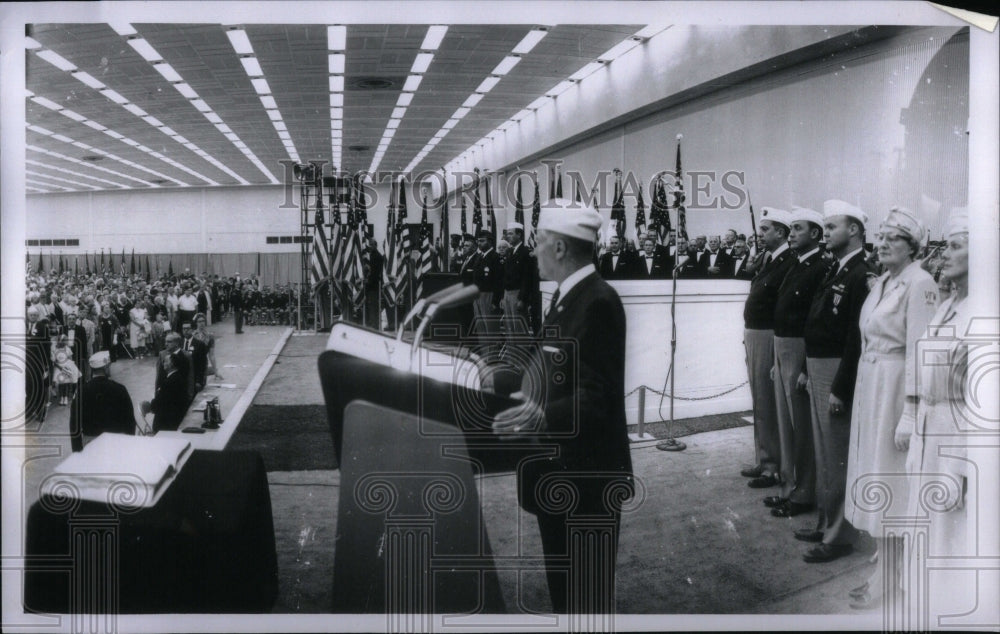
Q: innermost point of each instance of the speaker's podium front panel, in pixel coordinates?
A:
(410, 534)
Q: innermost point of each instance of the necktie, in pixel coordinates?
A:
(552, 302)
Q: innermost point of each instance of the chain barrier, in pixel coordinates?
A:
(687, 398)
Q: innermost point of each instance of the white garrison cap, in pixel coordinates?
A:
(804, 214)
(958, 221)
(905, 222)
(515, 225)
(576, 220)
(776, 215)
(840, 208)
(100, 359)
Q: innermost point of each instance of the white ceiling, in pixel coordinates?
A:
(293, 59)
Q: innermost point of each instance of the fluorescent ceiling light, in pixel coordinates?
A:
(529, 41)
(31, 43)
(39, 129)
(336, 63)
(336, 83)
(168, 72)
(260, 85)
(336, 100)
(75, 116)
(440, 134)
(241, 43)
(201, 105)
(398, 113)
(168, 131)
(48, 103)
(450, 123)
(651, 30)
(559, 88)
(114, 96)
(336, 37)
(89, 79)
(619, 49)
(505, 65)
(433, 142)
(389, 133)
(62, 137)
(393, 123)
(95, 125)
(186, 90)
(472, 100)
(130, 141)
(268, 102)
(57, 60)
(251, 66)
(433, 38)
(460, 113)
(488, 84)
(538, 103)
(521, 115)
(586, 71)
(153, 121)
(280, 125)
(283, 134)
(122, 28)
(274, 115)
(404, 99)
(336, 113)
(422, 62)
(232, 136)
(412, 83)
(214, 118)
(142, 47)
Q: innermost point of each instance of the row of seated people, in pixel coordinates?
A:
(692, 260)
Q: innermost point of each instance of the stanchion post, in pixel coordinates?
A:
(640, 434)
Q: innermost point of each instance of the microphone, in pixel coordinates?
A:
(463, 295)
(424, 304)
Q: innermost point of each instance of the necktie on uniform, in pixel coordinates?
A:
(552, 302)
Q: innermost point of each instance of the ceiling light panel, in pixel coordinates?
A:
(529, 41)
(435, 34)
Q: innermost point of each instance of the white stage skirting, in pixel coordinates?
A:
(710, 358)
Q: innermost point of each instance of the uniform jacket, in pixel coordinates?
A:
(517, 272)
(581, 358)
(795, 295)
(488, 275)
(831, 329)
(101, 406)
(758, 312)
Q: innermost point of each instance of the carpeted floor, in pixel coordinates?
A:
(289, 437)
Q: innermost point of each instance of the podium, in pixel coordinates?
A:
(411, 428)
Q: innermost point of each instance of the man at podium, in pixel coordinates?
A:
(573, 389)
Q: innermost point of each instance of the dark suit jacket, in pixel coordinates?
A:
(202, 298)
(662, 267)
(517, 272)
(722, 261)
(739, 271)
(102, 405)
(375, 264)
(758, 311)
(689, 269)
(578, 375)
(624, 270)
(199, 359)
(170, 404)
(183, 366)
(467, 270)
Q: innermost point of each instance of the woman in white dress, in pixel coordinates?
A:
(137, 329)
(893, 317)
(942, 479)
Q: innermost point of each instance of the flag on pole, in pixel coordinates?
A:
(170, 267)
(400, 238)
(659, 214)
(28, 268)
(76, 266)
(518, 204)
(465, 228)
(445, 227)
(61, 269)
(536, 211)
(389, 247)
(618, 206)
(552, 182)
(148, 269)
(640, 219)
(477, 210)
(559, 190)
(104, 267)
(679, 194)
(426, 257)
(122, 266)
(41, 267)
(86, 257)
(489, 211)
(131, 267)
(319, 260)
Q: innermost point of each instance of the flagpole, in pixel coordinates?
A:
(671, 443)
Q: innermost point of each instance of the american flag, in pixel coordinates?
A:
(489, 210)
(477, 210)
(659, 214)
(618, 206)
(396, 265)
(319, 263)
(640, 218)
(28, 266)
(536, 211)
(679, 194)
(465, 228)
(426, 257)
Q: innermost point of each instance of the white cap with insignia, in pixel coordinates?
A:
(774, 214)
(840, 208)
(576, 220)
(100, 359)
(903, 220)
(804, 214)
(514, 225)
(958, 221)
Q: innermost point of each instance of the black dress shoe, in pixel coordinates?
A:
(791, 509)
(762, 482)
(752, 472)
(808, 535)
(773, 501)
(827, 552)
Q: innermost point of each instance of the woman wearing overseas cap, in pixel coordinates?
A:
(893, 317)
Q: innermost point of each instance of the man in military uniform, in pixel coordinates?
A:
(831, 368)
(798, 462)
(488, 276)
(516, 282)
(101, 405)
(758, 337)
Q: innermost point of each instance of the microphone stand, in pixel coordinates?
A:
(671, 443)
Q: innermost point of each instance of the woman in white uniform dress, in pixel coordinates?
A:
(893, 317)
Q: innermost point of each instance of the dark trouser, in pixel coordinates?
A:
(580, 556)
(373, 317)
(184, 317)
(238, 318)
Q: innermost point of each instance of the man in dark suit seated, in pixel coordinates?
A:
(573, 388)
(101, 405)
(616, 263)
(714, 263)
(170, 404)
(653, 263)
